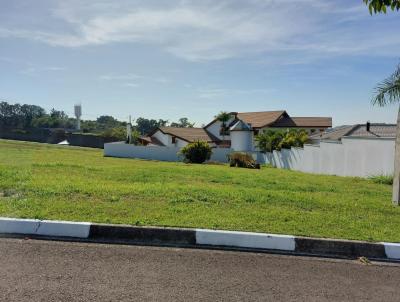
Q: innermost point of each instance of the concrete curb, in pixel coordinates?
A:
(198, 238)
(44, 227)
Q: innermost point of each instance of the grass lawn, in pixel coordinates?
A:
(68, 183)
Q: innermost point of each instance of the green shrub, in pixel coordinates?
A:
(197, 152)
(118, 133)
(382, 179)
(270, 140)
(242, 160)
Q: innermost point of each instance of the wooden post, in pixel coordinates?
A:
(396, 176)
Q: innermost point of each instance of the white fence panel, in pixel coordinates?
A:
(143, 152)
(311, 159)
(220, 154)
(368, 157)
(332, 158)
(156, 152)
(352, 157)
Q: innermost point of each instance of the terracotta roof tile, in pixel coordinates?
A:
(323, 122)
(260, 119)
(151, 140)
(189, 134)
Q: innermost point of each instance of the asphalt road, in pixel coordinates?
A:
(36, 270)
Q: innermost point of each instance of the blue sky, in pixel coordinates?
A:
(169, 59)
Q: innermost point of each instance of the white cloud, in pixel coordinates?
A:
(131, 78)
(131, 85)
(210, 30)
(33, 70)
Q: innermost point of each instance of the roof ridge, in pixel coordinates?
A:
(262, 111)
(352, 129)
(311, 117)
(181, 127)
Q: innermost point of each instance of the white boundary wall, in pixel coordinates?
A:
(352, 157)
(156, 152)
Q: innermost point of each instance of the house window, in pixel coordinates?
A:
(174, 140)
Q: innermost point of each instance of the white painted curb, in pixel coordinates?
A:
(392, 250)
(44, 227)
(205, 237)
(246, 239)
(18, 226)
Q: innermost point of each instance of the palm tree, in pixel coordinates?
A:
(388, 92)
(223, 117)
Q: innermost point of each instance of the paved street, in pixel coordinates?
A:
(34, 270)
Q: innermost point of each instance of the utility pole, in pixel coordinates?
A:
(129, 131)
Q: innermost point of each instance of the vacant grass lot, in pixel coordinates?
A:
(67, 183)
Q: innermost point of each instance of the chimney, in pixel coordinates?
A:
(368, 126)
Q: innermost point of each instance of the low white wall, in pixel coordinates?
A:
(352, 157)
(220, 154)
(156, 152)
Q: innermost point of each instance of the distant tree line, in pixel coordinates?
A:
(17, 116)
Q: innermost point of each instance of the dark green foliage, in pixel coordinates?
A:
(242, 160)
(118, 133)
(223, 117)
(381, 6)
(270, 140)
(135, 137)
(197, 152)
(88, 126)
(106, 122)
(56, 119)
(183, 123)
(144, 125)
(19, 116)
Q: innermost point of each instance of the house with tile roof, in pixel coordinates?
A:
(239, 131)
(367, 130)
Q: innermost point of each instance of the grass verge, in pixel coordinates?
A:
(79, 184)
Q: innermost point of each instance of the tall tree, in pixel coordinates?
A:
(388, 92)
(106, 122)
(182, 123)
(144, 125)
(31, 112)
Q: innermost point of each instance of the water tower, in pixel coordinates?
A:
(78, 114)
